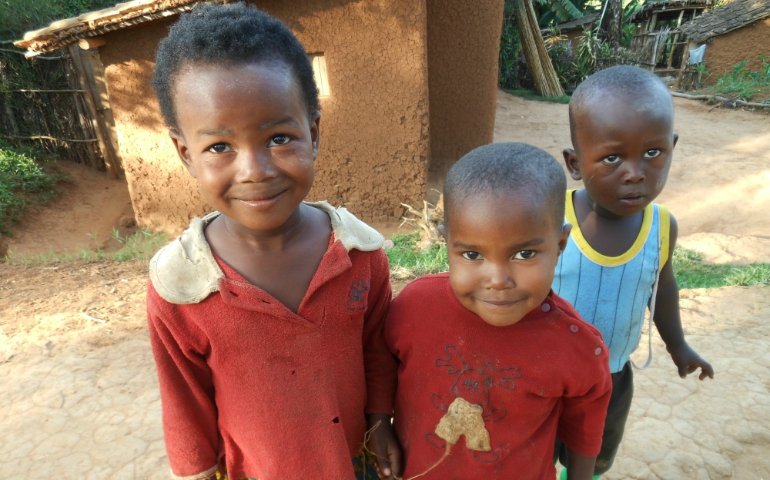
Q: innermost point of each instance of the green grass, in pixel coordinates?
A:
(744, 84)
(691, 272)
(530, 95)
(689, 269)
(22, 182)
(405, 262)
(142, 245)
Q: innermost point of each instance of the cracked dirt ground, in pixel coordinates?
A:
(79, 398)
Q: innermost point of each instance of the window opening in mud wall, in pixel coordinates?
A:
(319, 71)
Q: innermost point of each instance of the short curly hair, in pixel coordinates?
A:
(507, 168)
(232, 34)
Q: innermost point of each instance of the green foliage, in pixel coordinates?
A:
(745, 84)
(406, 261)
(22, 182)
(19, 16)
(510, 53)
(691, 272)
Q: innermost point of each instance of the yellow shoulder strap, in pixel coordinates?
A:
(665, 234)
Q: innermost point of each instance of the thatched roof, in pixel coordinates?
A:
(64, 32)
(727, 18)
(648, 7)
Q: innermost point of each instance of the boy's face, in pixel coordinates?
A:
(622, 155)
(502, 253)
(245, 135)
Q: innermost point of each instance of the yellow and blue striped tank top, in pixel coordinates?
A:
(612, 293)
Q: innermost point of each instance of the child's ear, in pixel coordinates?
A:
(315, 132)
(181, 149)
(676, 138)
(565, 231)
(572, 161)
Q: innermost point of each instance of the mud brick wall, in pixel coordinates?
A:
(463, 46)
(374, 128)
(746, 43)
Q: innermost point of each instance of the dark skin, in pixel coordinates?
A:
(501, 267)
(623, 155)
(245, 134)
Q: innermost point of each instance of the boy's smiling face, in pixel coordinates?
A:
(245, 135)
(502, 251)
(622, 154)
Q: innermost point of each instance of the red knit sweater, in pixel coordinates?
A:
(273, 394)
(548, 373)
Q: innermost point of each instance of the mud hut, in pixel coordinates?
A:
(657, 42)
(733, 33)
(413, 82)
(574, 29)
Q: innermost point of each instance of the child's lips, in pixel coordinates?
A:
(500, 304)
(261, 201)
(633, 199)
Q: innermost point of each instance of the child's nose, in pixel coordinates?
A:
(255, 165)
(634, 172)
(500, 277)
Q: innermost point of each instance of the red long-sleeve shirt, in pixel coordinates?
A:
(548, 373)
(250, 385)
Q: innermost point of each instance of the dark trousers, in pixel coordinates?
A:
(614, 425)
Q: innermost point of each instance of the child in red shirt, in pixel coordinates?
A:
(487, 352)
(265, 317)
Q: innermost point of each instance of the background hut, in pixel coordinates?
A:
(733, 33)
(656, 42)
(408, 87)
(574, 29)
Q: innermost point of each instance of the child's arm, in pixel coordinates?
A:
(187, 395)
(668, 322)
(380, 368)
(580, 467)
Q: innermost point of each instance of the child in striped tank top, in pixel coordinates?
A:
(617, 262)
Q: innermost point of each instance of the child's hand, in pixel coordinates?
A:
(384, 444)
(688, 361)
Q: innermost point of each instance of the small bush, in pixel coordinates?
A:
(745, 84)
(22, 182)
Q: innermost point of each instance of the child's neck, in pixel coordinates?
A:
(608, 233)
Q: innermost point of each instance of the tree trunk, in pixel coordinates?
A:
(539, 63)
(611, 27)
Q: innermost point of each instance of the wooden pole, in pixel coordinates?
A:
(91, 42)
(95, 70)
(97, 121)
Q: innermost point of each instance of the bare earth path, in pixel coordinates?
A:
(79, 398)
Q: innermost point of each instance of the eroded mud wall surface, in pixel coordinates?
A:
(463, 46)
(374, 127)
(746, 43)
(164, 195)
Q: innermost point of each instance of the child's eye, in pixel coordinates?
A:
(279, 140)
(219, 148)
(525, 255)
(471, 256)
(611, 159)
(652, 153)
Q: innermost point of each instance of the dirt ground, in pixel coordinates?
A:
(78, 392)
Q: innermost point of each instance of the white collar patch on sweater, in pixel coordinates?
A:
(185, 272)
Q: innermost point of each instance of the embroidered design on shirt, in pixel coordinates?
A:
(472, 386)
(357, 294)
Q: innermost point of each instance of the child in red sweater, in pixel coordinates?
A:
(265, 316)
(488, 352)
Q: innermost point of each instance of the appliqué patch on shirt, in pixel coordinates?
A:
(471, 386)
(357, 294)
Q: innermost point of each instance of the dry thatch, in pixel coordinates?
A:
(727, 18)
(65, 32)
